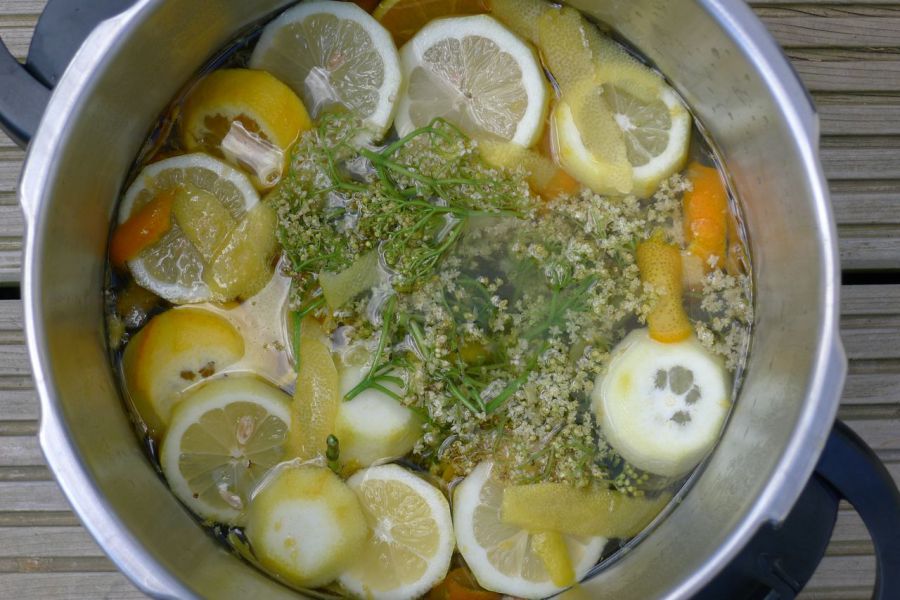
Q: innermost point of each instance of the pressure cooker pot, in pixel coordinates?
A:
(735, 80)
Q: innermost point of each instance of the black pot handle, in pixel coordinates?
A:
(25, 89)
(857, 474)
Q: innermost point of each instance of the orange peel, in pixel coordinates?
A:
(142, 229)
(706, 216)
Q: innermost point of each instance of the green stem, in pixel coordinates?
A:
(500, 399)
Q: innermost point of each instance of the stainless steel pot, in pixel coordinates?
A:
(739, 85)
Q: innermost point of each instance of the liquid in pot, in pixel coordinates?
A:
(449, 300)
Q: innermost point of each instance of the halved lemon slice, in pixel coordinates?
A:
(655, 124)
(411, 535)
(333, 53)
(173, 266)
(223, 438)
(648, 143)
(246, 116)
(478, 75)
(503, 557)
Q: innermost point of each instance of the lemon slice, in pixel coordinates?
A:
(662, 406)
(605, 172)
(655, 124)
(502, 557)
(478, 75)
(411, 535)
(223, 438)
(374, 426)
(247, 117)
(334, 53)
(173, 267)
(175, 350)
(623, 132)
(306, 525)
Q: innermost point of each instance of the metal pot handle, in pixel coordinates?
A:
(25, 89)
(858, 475)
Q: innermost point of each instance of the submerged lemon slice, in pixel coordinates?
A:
(173, 266)
(247, 117)
(223, 438)
(333, 53)
(411, 535)
(503, 557)
(478, 75)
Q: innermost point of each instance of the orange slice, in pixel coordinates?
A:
(403, 18)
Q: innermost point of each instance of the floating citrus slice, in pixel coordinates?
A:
(174, 351)
(478, 75)
(209, 197)
(247, 117)
(503, 557)
(411, 535)
(403, 18)
(223, 438)
(334, 53)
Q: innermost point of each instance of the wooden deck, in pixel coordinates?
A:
(849, 56)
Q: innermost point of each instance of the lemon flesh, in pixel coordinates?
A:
(223, 439)
(204, 220)
(411, 535)
(306, 525)
(662, 405)
(502, 556)
(243, 264)
(334, 53)
(175, 350)
(373, 426)
(478, 75)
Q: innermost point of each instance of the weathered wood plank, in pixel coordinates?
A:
(858, 114)
(763, 4)
(17, 38)
(22, 7)
(850, 536)
(18, 404)
(872, 382)
(870, 300)
(844, 577)
(69, 586)
(838, 70)
(871, 337)
(861, 157)
(868, 248)
(862, 202)
(797, 28)
(31, 496)
(20, 451)
(47, 541)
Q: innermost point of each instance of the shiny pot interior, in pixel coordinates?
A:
(738, 84)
